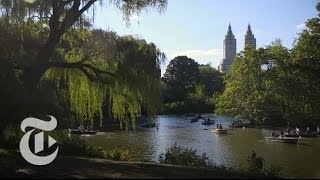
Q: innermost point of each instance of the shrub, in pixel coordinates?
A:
(256, 163)
(185, 157)
(257, 167)
(119, 154)
(73, 145)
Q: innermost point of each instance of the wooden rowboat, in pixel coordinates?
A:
(219, 131)
(207, 123)
(77, 131)
(303, 134)
(290, 140)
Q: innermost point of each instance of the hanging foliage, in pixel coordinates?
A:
(99, 67)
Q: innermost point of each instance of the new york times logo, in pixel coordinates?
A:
(26, 153)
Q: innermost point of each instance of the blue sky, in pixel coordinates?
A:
(197, 28)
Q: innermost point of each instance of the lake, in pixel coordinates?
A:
(300, 160)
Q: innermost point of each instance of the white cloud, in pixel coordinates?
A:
(301, 26)
(199, 53)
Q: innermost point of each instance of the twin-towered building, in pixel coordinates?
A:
(230, 48)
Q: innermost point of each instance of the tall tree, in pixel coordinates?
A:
(243, 95)
(277, 84)
(128, 74)
(211, 79)
(94, 66)
(306, 62)
(181, 76)
(60, 16)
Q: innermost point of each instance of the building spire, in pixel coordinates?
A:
(249, 32)
(249, 38)
(229, 30)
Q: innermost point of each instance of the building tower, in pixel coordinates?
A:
(229, 51)
(249, 38)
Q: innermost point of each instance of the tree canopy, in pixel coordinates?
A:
(54, 55)
(181, 75)
(276, 85)
(190, 87)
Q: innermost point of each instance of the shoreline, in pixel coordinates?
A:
(83, 168)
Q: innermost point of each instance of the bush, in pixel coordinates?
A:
(256, 163)
(119, 154)
(75, 146)
(185, 157)
(257, 167)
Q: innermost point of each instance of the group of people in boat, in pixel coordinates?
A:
(280, 135)
(238, 123)
(219, 126)
(207, 121)
(295, 131)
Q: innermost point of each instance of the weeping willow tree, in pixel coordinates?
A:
(59, 17)
(94, 67)
(98, 67)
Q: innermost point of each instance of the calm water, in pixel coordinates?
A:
(300, 160)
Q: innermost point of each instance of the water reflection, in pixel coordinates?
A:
(232, 149)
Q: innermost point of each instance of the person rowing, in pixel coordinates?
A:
(296, 131)
(281, 134)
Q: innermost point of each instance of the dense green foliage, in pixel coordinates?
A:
(181, 76)
(179, 155)
(274, 85)
(185, 157)
(257, 166)
(53, 62)
(189, 87)
(74, 146)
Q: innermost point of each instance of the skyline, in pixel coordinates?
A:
(197, 28)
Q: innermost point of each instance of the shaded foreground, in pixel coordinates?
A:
(13, 166)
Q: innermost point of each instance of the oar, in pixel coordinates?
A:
(298, 134)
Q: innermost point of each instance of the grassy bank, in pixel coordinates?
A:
(13, 166)
(78, 159)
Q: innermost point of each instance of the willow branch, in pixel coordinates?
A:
(87, 6)
(84, 68)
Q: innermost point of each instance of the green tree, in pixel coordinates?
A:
(306, 62)
(277, 84)
(211, 79)
(60, 16)
(180, 77)
(53, 42)
(244, 96)
(123, 72)
(281, 86)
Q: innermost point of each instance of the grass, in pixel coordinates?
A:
(80, 167)
(77, 159)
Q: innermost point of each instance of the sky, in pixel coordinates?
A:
(197, 28)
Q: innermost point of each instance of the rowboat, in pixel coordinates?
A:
(290, 140)
(78, 131)
(302, 134)
(190, 115)
(208, 123)
(194, 120)
(219, 131)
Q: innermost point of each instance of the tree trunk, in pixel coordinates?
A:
(34, 74)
